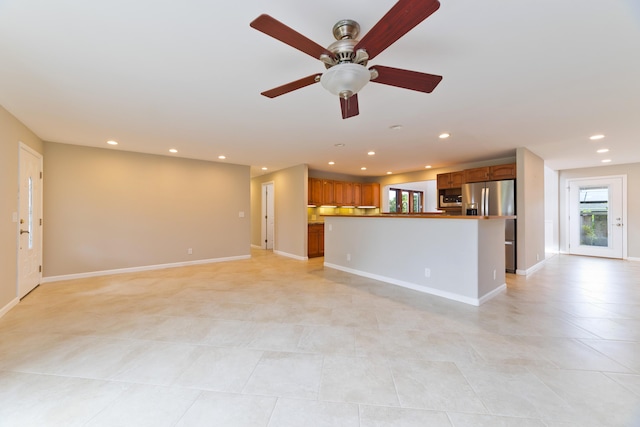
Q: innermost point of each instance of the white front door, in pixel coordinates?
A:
(597, 217)
(30, 221)
(268, 213)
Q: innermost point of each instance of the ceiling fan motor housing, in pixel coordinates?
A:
(345, 32)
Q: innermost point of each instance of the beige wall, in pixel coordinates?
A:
(107, 209)
(530, 210)
(11, 133)
(290, 210)
(632, 171)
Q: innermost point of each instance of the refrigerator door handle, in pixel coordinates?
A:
(486, 202)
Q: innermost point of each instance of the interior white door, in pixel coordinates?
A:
(268, 215)
(597, 217)
(30, 220)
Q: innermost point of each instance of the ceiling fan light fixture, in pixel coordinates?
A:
(345, 80)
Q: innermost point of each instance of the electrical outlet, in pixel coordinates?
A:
(348, 257)
(190, 251)
(494, 274)
(427, 272)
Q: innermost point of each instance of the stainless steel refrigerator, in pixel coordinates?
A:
(494, 198)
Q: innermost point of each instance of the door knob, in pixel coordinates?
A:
(24, 231)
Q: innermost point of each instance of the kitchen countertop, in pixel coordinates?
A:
(426, 215)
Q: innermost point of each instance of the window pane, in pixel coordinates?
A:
(405, 201)
(392, 201)
(417, 202)
(594, 216)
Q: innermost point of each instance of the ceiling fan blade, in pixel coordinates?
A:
(406, 79)
(291, 86)
(400, 19)
(349, 106)
(276, 29)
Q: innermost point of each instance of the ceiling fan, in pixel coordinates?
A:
(346, 58)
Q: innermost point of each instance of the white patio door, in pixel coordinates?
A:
(597, 217)
(30, 220)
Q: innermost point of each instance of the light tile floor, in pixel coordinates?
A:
(272, 341)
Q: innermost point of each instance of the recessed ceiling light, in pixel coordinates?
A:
(371, 153)
(395, 127)
(222, 157)
(264, 168)
(428, 167)
(112, 142)
(444, 135)
(340, 144)
(389, 173)
(173, 150)
(332, 163)
(596, 137)
(606, 161)
(603, 150)
(363, 168)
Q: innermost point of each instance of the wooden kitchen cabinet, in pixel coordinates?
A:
(339, 193)
(477, 174)
(503, 172)
(325, 192)
(315, 240)
(450, 180)
(490, 173)
(315, 192)
(347, 194)
(328, 193)
(357, 194)
(370, 194)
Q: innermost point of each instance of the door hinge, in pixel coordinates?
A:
(40, 174)
(39, 269)
(40, 221)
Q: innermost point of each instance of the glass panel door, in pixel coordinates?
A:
(596, 223)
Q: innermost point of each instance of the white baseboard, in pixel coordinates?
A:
(298, 257)
(632, 258)
(419, 288)
(4, 310)
(531, 269)
(51, 279)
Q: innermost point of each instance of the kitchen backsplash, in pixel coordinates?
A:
(315, 214)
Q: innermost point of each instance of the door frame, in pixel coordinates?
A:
(22, 146)
(268, 207)
(623, 196)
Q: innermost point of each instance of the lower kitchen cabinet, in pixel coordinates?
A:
(315, 240)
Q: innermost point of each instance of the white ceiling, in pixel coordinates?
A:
(160, 74)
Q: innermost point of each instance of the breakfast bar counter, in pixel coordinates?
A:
(457, 257)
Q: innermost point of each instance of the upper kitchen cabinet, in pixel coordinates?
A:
(500, 172)
(328, 192)
(315, 192)
(476, 174)
(370, 194)
(490, 173)
(450, 180)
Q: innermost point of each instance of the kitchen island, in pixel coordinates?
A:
(457, 257)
